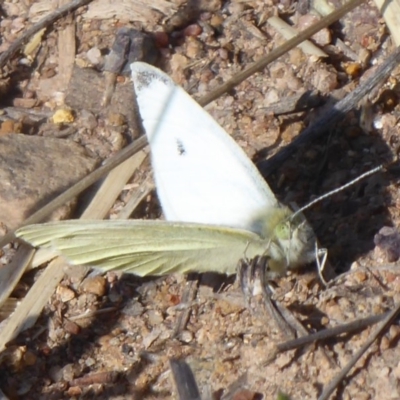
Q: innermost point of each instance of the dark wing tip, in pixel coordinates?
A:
(144, 74)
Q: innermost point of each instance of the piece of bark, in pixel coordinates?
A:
(86, 91)
(391, 13)
(127, 10)
(66, 48)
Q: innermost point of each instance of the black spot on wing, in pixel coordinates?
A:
(180, 147)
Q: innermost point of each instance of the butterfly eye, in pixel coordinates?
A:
(282, 230)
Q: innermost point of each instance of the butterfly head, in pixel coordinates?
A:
(290, 238)
(296, 238)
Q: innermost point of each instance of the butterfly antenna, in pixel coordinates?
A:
(337, 190)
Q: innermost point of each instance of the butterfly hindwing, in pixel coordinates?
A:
(146, 247)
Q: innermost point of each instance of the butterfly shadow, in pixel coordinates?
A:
(346, 222)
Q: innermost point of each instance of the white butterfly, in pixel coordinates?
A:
(222, 209)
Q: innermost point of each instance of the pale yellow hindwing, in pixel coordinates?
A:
(146, 247)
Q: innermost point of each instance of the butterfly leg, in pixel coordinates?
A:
(254, 273)
(245, 275)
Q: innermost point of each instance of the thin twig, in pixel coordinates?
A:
(334, 115)
(43, 23)
(288, 32)
(325, 334)
(137, 197)
(296, 103)
(330, 333)
(279, 51)
(382, 326)
(31, 306)
(189, 294)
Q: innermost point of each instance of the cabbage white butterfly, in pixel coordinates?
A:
(219, 208)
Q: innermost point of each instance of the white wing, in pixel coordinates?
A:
(201, 174)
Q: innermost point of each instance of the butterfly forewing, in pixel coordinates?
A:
(201, 174)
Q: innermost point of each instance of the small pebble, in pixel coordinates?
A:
(192, 30)
(63, 116)
(71, 327)
(94, 56)
(94, 285)
(186, 336)
(65, 293)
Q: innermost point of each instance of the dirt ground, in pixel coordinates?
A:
(113, 336)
